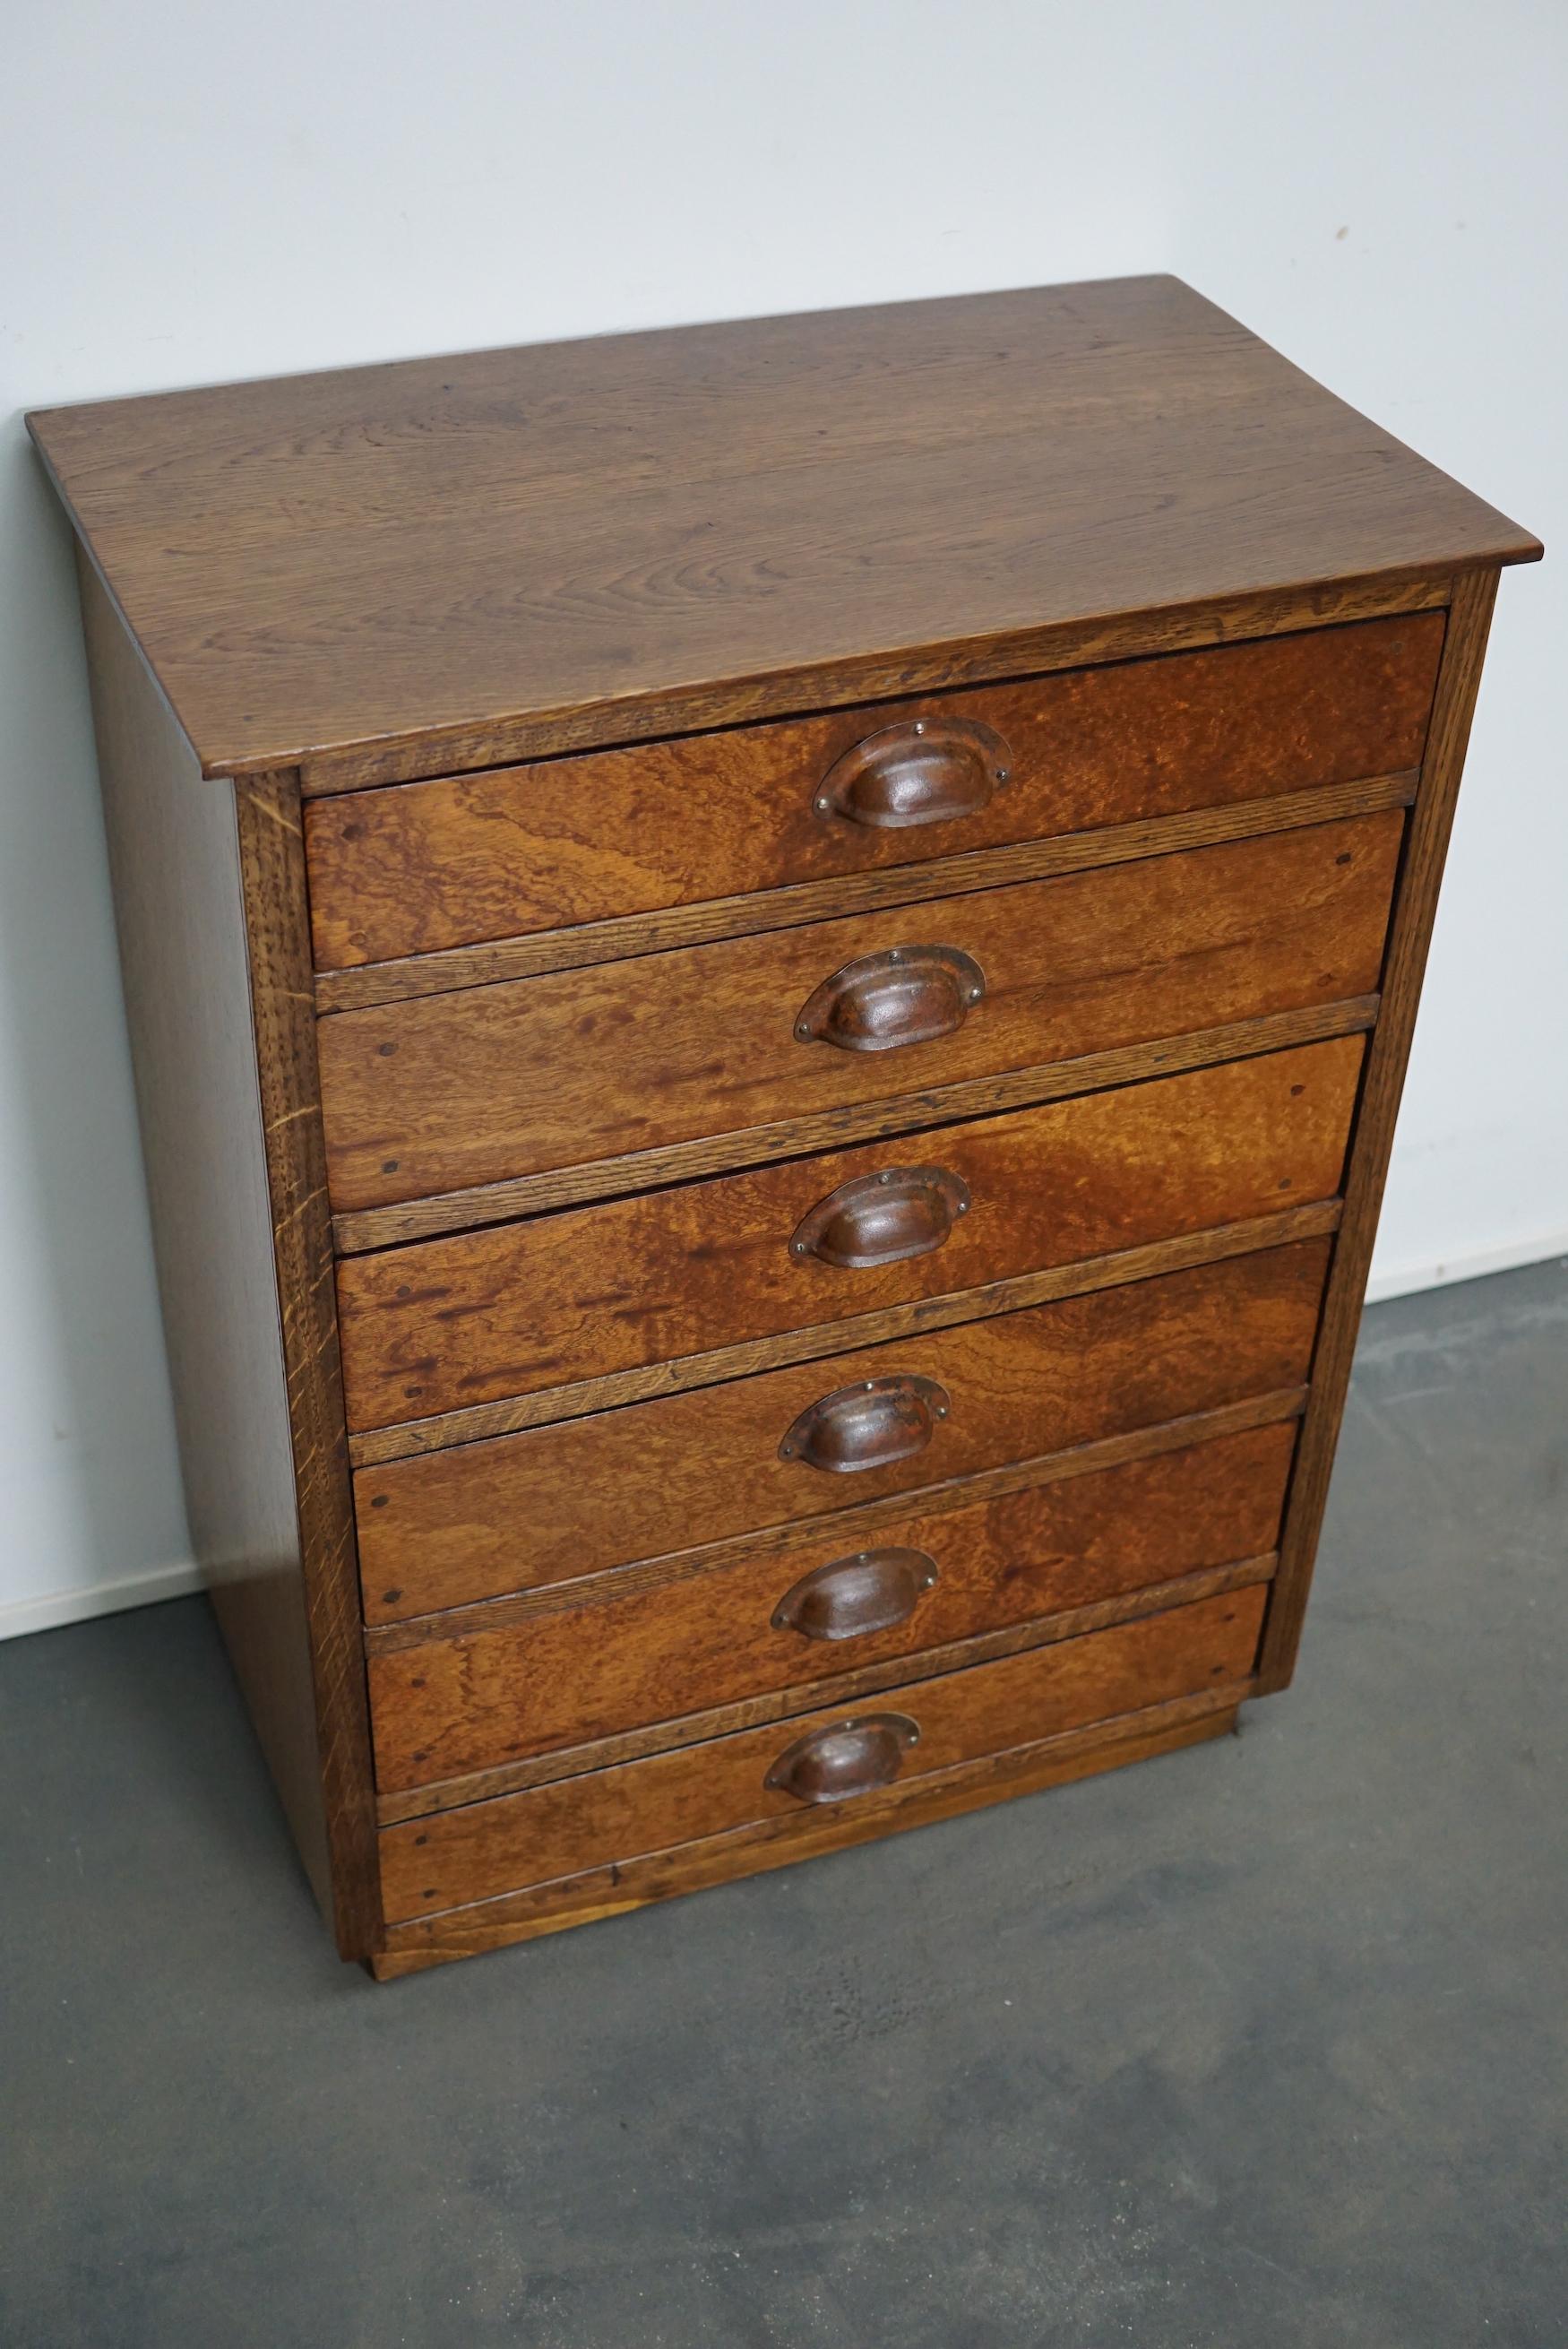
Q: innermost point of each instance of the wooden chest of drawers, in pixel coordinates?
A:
(770, 968)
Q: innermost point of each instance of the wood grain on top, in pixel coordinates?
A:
(675, 529)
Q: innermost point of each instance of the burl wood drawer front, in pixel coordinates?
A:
(579, 1295)
(589, 1659)
(495, 1082)
(484, 1850)
(479, 1520)
(428, 865)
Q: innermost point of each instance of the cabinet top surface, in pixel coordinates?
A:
(383, 553)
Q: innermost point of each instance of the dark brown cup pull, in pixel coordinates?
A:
(883, 1218)
(851, 1757)
(931, 770)
(869, 1592)
(910, 994)
(867, 1426)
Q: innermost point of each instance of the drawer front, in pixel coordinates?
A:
(653, 1478)
(511, 1311)
(484, 1850)
(455, 1090)
(426, 866)
(624, 1650)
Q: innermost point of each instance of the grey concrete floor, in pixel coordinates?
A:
(1261, 2043)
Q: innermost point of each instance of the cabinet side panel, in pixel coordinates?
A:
(175, 859)
(282, 1013)
(1409, 936)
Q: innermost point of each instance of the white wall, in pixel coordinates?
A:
(197, 194)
